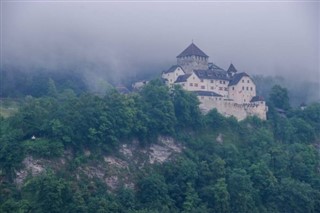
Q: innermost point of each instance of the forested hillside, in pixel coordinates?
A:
(224, 166)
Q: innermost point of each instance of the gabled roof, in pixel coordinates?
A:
(257, 98)
(191, 50)
(232, 68)
(212, 74)
(172, 69)
(207, 93)
(182, 78)
(215, 67)
(237, 77)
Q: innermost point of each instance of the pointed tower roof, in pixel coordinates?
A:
(192, 49)
(232, 68)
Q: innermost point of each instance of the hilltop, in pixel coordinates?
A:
(154, 151)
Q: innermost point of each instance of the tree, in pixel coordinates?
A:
(295, 196)
(153, 191)
(192, 200)
(221, 196)
(52, 90)
(52, 193)
(241, 191)
(158, 107)
(279, 97)
(186, 107)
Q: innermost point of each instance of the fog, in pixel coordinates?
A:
(124, 38)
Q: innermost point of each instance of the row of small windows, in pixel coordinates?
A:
(202, 97)
(243, 88)
(223, 88)
(195, 57)
(211, 81)
(196, 85)
(247, 88)
(248, 81)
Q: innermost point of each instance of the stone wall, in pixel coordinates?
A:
(228, 107)
(191, 63)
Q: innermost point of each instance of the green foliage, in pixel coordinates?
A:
(43, 148)
(153, 191)
(225, 166)
(186, 107)
(279, 97)
(221, 196)
(158, 108)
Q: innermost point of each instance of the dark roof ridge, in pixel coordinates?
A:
(237, 77)
(173, 68)
(182, 78)
(232, 68)
(192, 49)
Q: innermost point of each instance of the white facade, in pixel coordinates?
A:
(231, 93)
(172, 75)
(243, 91)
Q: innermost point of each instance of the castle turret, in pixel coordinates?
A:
(231, 70)
(192, 58)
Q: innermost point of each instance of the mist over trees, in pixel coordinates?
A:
(17, 82)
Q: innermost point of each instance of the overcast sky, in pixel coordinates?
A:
(257, 37)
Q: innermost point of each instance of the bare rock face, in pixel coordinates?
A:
(115, 170)
(162, 151)
(93, 171)
(219, 139)
(31, 166)
(126, 150)
(112, 182)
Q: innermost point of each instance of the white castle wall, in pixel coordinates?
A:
(228, 107)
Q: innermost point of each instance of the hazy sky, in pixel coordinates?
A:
(121, 37)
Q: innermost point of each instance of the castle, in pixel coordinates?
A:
(230, 92)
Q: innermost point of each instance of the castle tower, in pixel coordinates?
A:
(192, 58)
(231, 70)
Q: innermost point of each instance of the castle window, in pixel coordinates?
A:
(220, 88)
(244, 100)
(220, 82)
(223, 82)
(251, 88)
(191, 84)
(248, 81)
(242, 81)
(203, 87)
(242, 88)
(225, 89)
(201, 80)
(247, 88)
(183, 85)
(211, 88)
(220, 99)
(196, 85)
(232, 88)
(211, 81)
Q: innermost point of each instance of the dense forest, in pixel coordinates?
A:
(226, 165)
